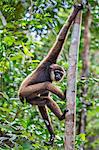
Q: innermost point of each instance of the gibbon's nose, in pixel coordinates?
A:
(58, 77)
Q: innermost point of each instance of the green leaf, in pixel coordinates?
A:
(35, 61)
(82, 135)
(4, 95)
(4, 109)
(26, 51)
(16, 57)
(9, 40)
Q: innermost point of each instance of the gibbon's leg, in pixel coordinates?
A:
(42, 108)
(53, 106)
(37, 101)
(33, 89)
(44, 114)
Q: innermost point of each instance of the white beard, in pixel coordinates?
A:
(52, 76)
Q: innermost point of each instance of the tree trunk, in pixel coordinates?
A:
(71, 86)
(85, 74)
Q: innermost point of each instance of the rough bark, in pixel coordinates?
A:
(71, 85)
(85, 73)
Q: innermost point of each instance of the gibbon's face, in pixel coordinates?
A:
(57, 75)
(56, 72)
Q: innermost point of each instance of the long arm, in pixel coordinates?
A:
(55, 90)
(35, 89)
(55, 50)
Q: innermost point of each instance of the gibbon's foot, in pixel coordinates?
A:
(64, 113)
(51, 140)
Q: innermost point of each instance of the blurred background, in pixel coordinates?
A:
(28, 29)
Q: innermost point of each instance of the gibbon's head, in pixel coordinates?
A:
(56, 72)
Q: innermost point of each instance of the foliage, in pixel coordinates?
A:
(24, 41)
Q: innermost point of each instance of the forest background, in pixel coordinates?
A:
(28, 29)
